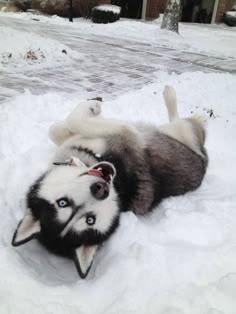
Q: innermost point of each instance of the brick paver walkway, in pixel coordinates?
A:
(105, 66)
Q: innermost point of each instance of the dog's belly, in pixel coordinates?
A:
(175, 167)
(146, 173)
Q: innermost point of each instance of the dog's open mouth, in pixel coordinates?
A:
(103, 170)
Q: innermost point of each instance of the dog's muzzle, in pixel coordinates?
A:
(100, 190)
(105, 171)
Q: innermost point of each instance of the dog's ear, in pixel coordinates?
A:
(27, 229)
(83, 258)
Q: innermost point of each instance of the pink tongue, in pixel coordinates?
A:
(95, 172)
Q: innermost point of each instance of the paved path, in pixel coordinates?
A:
(108, 66)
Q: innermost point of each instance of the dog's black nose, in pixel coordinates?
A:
(100, 190)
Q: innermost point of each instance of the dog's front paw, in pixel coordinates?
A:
(89, 108)
(95, 108)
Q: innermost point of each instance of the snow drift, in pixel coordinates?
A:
(179, 260)
(20, 49)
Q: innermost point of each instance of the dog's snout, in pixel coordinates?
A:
(100, 190)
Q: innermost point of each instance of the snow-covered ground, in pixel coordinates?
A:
(179, 260)
(215, 40)
(20, 49)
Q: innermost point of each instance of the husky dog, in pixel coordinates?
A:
(103, 167)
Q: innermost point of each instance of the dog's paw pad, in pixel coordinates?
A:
(95, 108)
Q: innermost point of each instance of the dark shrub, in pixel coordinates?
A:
(105, 13)
(124, 6)
(230, 18)
(22, 5)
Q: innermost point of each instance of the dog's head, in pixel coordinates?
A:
(71, 210)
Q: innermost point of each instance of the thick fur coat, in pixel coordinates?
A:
(103, 167)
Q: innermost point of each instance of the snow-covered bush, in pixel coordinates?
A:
(105, 13)
(230, 18)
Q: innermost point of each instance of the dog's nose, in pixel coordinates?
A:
(100, 190)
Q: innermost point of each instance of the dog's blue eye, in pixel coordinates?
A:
(63, 202)
(90, 220)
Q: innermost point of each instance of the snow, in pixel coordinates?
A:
(180, 259)
(192, 37)
(231, 13)
(109, 8)
(23, 48)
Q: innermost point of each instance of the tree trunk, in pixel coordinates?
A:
(172, 16)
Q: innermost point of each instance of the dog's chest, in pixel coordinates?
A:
(84, 154)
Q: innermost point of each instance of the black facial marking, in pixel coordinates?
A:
(87, 151)
(60, 163)
(51, 228)
(126, 181)
(65, 246)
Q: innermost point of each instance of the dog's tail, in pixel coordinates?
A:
(171, 103)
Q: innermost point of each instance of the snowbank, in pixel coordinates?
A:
(179, 260)
(19, 49)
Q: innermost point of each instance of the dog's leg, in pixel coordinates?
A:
(96, 127)
(171, 103)
(59, 131)
(87, 109)
(189, 131)
(83, 120)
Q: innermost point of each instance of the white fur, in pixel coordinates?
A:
(70, 182)
(87, 109)
(83, 120)
(182, 131)
(97, 145)
(94, 127)
(59, 132)
(63, 214)
(83, 127)
(171, 103)
(91, 129)
(28, 227)
(85, 256)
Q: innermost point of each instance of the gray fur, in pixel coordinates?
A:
(151, 163)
